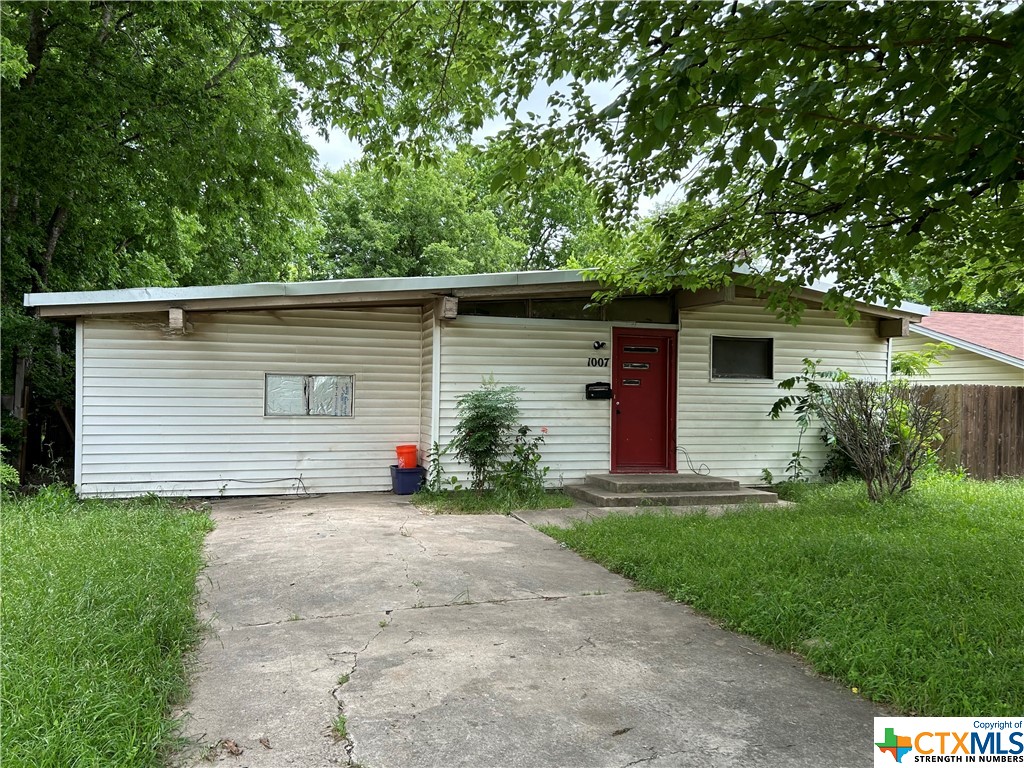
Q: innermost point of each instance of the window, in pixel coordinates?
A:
(634, 309)
(564, 309)
(642, 309)
(495, 308)
(741, 358)
(307, 395)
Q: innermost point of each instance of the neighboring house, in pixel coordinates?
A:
(283, 388)
(987, 349)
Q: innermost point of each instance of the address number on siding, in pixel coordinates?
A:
(598, 362)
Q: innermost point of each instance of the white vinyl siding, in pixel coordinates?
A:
(961, 366)
(724, 424)
(185, 415)
(548, 359)
(426, 382)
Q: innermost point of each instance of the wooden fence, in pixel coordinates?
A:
(986, 429)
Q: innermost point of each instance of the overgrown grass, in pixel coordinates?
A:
(918, 602)
(339, 727)
(98, 610)
(467, 502)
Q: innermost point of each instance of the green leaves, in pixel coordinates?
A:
(722, 176)
(518, 171)
(872, 144)
(831, 140)
(156, 144)
(485, 431)
(447, 218)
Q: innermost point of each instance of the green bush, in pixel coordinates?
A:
(9, 478)
(484, 433)
(503, 457)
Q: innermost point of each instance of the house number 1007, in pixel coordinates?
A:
(598, 362)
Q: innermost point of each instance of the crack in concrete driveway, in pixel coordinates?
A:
(477, 641)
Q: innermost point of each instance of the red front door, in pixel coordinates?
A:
(643, 402)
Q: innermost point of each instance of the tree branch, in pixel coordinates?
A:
(109, 27)
(911, 43)
(384, 33)
(216, 78)
(451, 54)
(56, 229)
(38, 32)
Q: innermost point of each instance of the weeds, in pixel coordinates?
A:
(98, 611)
(339, 727)
(468, 502)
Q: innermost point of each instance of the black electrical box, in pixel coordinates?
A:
(599, 390)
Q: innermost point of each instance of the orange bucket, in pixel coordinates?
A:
(406, 456)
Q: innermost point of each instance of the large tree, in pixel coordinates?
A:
(151, 143)
(409, 221)
(143, 144)
(442, 218)
(867, 142)
(139, 138)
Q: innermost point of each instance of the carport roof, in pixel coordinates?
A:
(378, 291)
(321, 293)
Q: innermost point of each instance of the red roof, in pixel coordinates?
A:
(1000, 333)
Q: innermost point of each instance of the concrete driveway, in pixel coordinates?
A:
(477, 641)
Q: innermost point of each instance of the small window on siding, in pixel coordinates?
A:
(741, 358)
(308, 395)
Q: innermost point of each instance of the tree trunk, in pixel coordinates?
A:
(21, 404)
(54, 230)
(36, 45)
(59, 407)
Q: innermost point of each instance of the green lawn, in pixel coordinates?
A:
(466, 502)
(918, 603)
(98, 609)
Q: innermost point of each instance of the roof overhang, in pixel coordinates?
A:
(970, 347)
(906, 309)
(378, 291)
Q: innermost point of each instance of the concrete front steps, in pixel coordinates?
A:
(685, 490)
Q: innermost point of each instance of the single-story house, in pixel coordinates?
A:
(987, 349)
(280, 388)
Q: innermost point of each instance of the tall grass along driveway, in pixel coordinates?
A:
(918, 602)
(98, 610)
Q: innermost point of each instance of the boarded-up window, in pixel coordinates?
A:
(308, 395)
(741, 358)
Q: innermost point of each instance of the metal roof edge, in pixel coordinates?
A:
(903, 308)
(306, 288)
(385, 285)
(1002, 357)
(821, 287)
